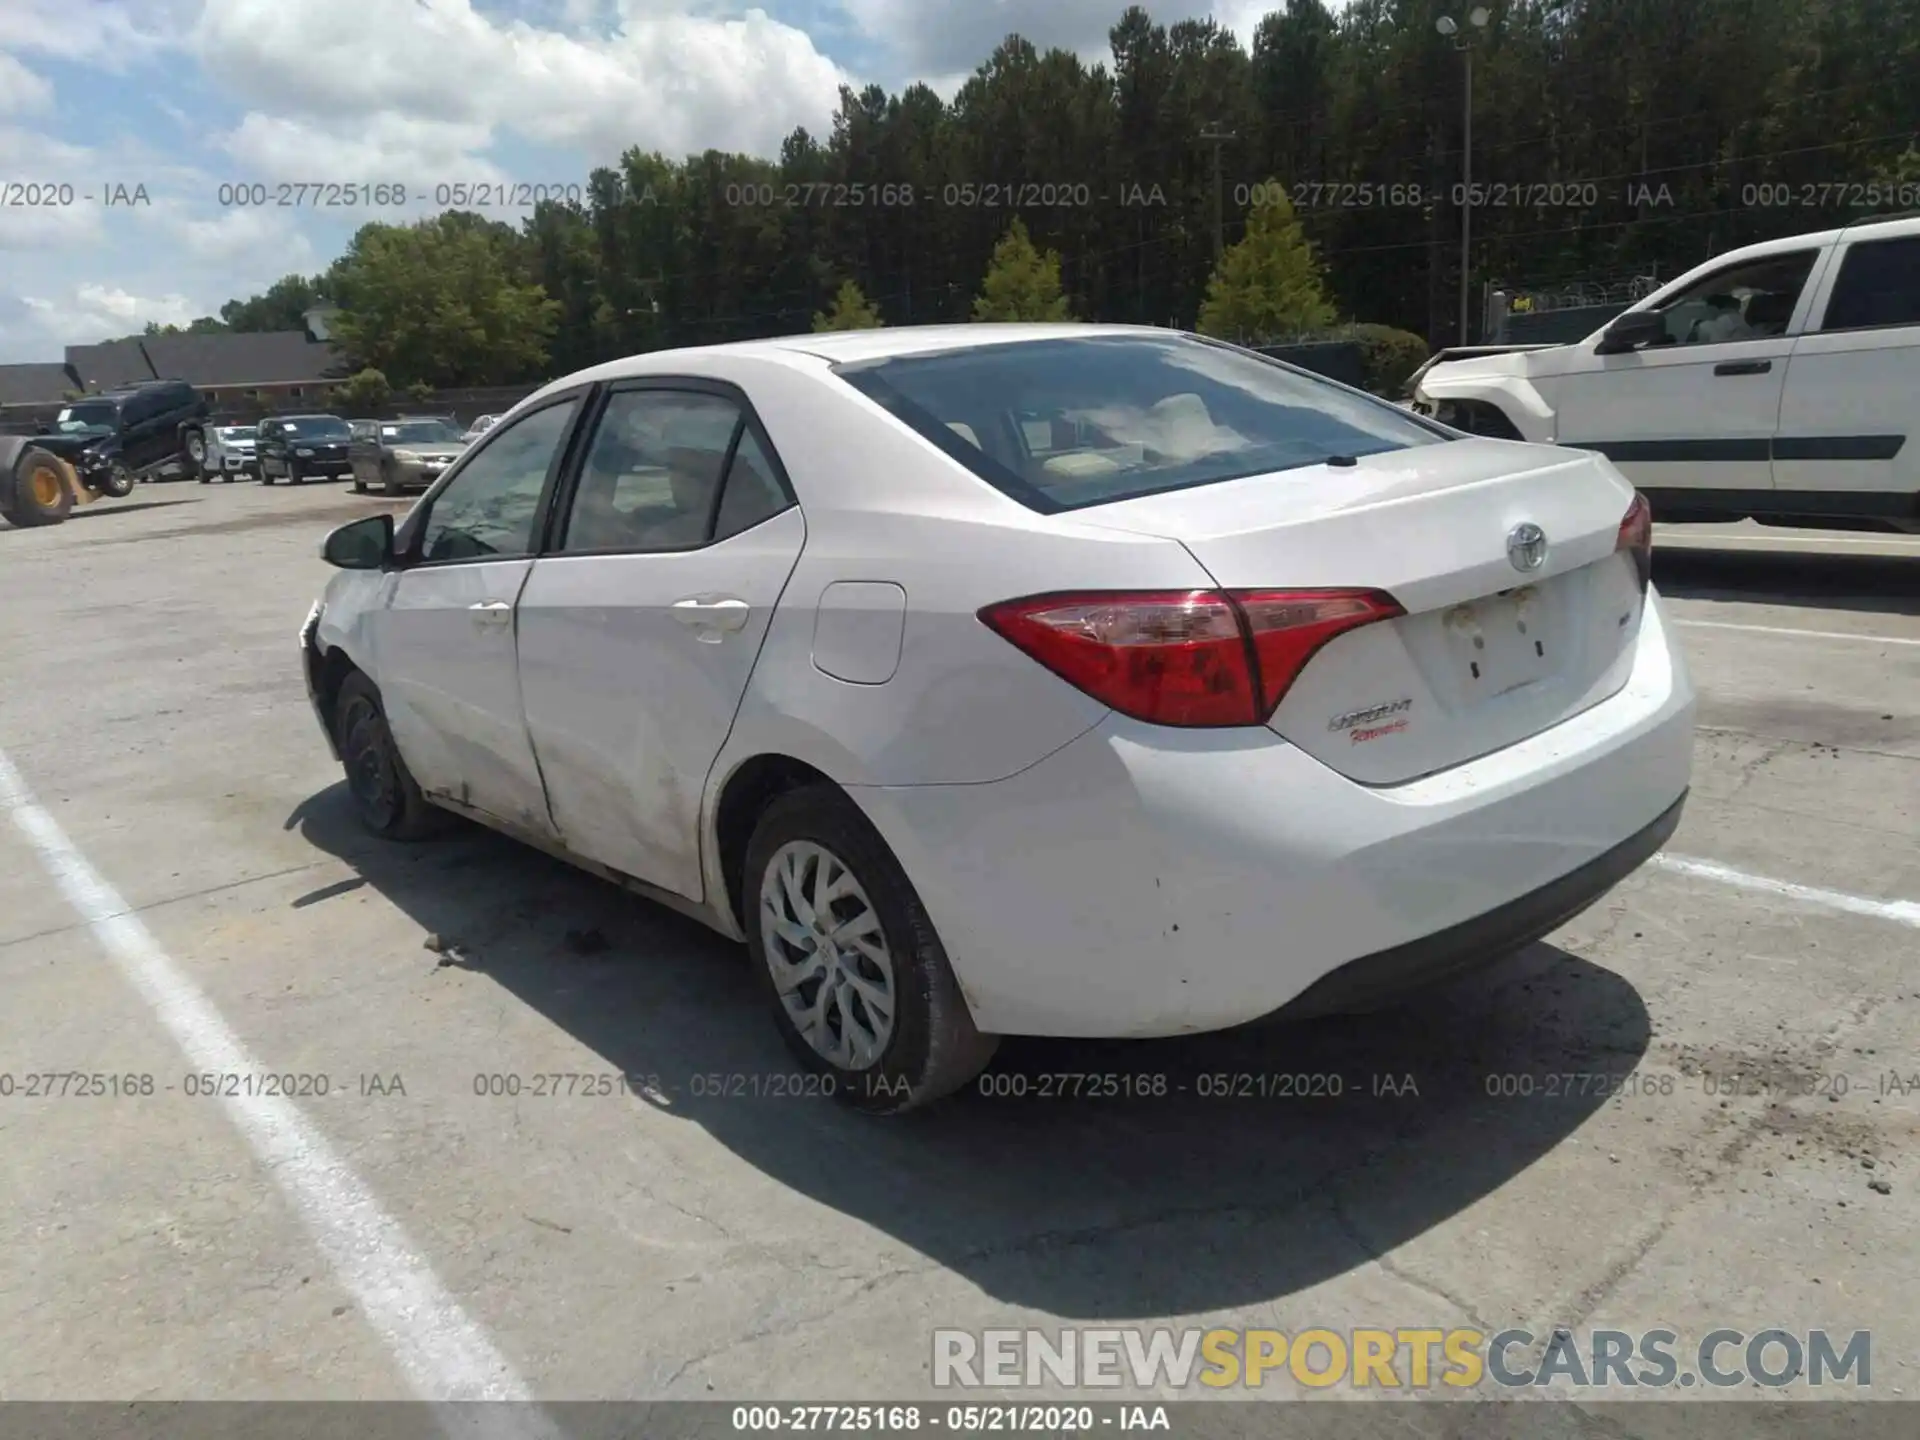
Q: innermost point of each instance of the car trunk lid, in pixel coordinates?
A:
(1487, 653)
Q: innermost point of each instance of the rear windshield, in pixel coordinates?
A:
(1060, 424)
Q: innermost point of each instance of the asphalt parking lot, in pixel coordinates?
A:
(182, 890)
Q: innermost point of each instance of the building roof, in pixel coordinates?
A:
(34, 384)
(268, 357)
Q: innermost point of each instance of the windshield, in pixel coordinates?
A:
(85, 420)
(236, 432)
(1058, 424)
(316, 427)
(420, 432)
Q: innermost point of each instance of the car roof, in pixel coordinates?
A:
(846, 346)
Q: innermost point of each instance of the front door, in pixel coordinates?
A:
(1698, 409)
(444, 643)
(640, 628)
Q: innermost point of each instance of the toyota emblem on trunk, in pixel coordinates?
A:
(1527, 547)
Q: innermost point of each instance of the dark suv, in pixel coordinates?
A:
(130, 434)
(300, 447)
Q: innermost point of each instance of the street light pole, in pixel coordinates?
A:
(1466, 210)
(1217, 137)
(1477, 19)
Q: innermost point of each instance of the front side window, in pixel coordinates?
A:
(658, 464)
(1059, 424)
(1748, 302)
(1879, 285)
(491, 507)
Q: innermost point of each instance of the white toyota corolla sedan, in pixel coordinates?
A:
(1021, 680)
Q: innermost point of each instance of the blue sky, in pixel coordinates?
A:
(179, 98)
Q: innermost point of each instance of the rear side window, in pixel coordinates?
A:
(1061, 424)
(670, 470)
(1878, 285)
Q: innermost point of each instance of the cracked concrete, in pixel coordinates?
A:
(1635, 1124)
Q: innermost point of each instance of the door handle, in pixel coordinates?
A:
(709, 615)
(1743, 367)
(491, 612)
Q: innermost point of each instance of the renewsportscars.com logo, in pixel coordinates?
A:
(1399, 1359)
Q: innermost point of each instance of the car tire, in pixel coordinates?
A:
(930, 1047)
(294, 477)
(389, 480)
(359, 483)
(40, 495)
(386, 799)
(193, 448)
(119, 481)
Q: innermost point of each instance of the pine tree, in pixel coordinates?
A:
(1268, 286)
(1022, 283)
(851, 311)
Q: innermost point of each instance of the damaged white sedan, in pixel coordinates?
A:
(1021, 680)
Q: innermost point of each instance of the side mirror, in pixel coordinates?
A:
(360, 544)
(1631, 331)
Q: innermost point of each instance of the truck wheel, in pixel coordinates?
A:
(40, 493)
(294, 475)
(196, 448)
(848, 958)
(119, 481)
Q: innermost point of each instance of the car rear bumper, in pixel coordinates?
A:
(1147, 881)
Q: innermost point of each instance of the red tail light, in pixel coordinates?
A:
(1184, 657)
(1636, 538)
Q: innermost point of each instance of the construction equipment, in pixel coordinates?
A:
(38, 487)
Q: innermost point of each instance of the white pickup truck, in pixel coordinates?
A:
(1780, 382)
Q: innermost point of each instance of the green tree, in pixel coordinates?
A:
(1267, 286)
(851, 311)
(1022, 282)
(283, 307)
(364, 390)
(448, 301)
(205, 325)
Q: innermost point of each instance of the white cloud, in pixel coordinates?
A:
(421, 88)
(241, 238)
(21, 91)
(84, 314)
(107, 34)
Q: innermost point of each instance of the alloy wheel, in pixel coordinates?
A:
(828, 955)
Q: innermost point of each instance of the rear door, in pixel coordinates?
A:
(1699, 411)
(640, 625)
(1846, 442)
(444, 640)
(270, 448)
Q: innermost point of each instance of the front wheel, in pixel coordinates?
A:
(386, 799)
(119, 481)
(853, 969)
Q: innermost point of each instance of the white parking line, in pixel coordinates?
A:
(1802, 634)
(1901, 912)
(444, 1354)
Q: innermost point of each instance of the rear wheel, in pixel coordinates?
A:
(385, 797)
(40, 494)
(853, 969)
(196, 448)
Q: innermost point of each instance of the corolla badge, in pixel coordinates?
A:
(1527, 547)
